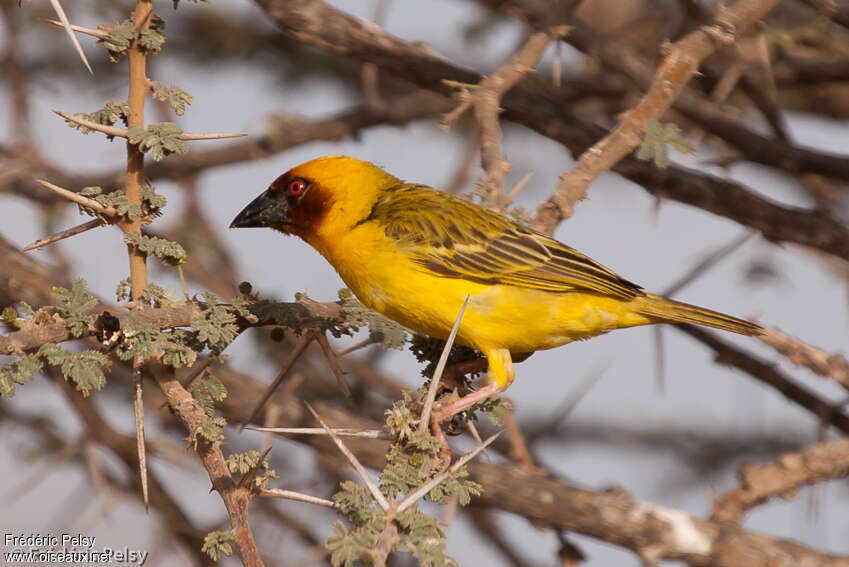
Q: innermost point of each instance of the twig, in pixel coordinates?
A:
(87, 31)
(340, 431)
(296, 354)
(484, 522)
(70, 31)
(424, 422)
(77, 198)
(333, 361)
(34, 478)
(783, 477)
(518, 448)
(101, 486)
(574, 397)
(709, 261)
(356, 346)
(73, 231)
(138, 413)
(297, 496)
(519, 186)
(413, 497)
(375, 491)
(124, 132)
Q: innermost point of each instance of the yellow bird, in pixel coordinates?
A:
(414, 253)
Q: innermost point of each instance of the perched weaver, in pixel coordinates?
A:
(414, 253)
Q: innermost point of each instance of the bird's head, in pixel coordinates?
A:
(318, 198)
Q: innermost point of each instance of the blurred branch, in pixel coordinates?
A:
(627, 60)
(124, 447)
(730, 355)
(783, 477)
(833, 366)
(315, 23)
(680, 62)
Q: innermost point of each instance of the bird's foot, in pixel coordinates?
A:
(445, 412)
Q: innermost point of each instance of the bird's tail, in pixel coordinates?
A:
(666, 310)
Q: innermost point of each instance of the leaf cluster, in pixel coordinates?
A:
(108, 116)
(160, 140)
(173, 96)
(74, 305)
(120, 36)
(412, 461)
(150, 208)
(168, 251)
(208, 392)
(216, 326)
(252, 463)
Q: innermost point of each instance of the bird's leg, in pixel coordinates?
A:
(447, 411)
(452, 378)
(501, 374)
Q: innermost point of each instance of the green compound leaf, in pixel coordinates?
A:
(152, 199)
(143, 341)
(18, 373)
(177, 2)
(216, 326)
(348, 547)
(73, 306)
(166, 250)
(355, 501)
(84, 369)
(456, 483)
(174, 96)
(152, 39)
(243, 463)
(120, 37)
(161, 139)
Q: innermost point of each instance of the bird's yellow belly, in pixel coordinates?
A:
(519, 319)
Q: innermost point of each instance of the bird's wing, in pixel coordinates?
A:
(450, 237)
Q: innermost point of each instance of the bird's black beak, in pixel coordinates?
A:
(264, 211)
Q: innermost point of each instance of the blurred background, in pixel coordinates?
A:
(654, 414)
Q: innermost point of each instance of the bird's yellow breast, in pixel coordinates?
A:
(519, 319)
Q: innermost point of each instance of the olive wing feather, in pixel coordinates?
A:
(450, 237)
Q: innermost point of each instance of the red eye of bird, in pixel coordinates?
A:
(297, 187)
